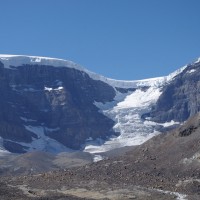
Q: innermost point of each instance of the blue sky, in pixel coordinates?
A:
(122, 39)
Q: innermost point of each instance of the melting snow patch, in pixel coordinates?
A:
(191, 71)
(178, 195)
(97, 158)
(166, 124)
(53, 89)
(43, 142)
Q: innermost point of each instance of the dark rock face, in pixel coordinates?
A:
(58, 98)
(180, 98)
(125, 90)
(187, 131)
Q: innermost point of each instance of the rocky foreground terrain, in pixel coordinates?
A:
(40, 162)
(165, 167)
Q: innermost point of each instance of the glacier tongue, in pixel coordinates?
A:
(126, 111)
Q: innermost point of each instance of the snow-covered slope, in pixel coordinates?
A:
(126, 109)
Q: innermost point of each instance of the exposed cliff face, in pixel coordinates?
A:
(180, 98)
(58, 101)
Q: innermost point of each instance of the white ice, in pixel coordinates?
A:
(97, 158)
(166, 124)
(53, 89)
(44, 143)
(191, 71)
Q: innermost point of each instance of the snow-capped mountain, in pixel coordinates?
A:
(55, 105)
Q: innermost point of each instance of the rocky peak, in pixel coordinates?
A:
(180, 97)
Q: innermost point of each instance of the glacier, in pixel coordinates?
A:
(125, 110)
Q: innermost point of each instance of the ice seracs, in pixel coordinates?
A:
(127, 113)
(126, 110)
(19, 60)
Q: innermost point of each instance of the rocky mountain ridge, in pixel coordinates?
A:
(55, 105)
